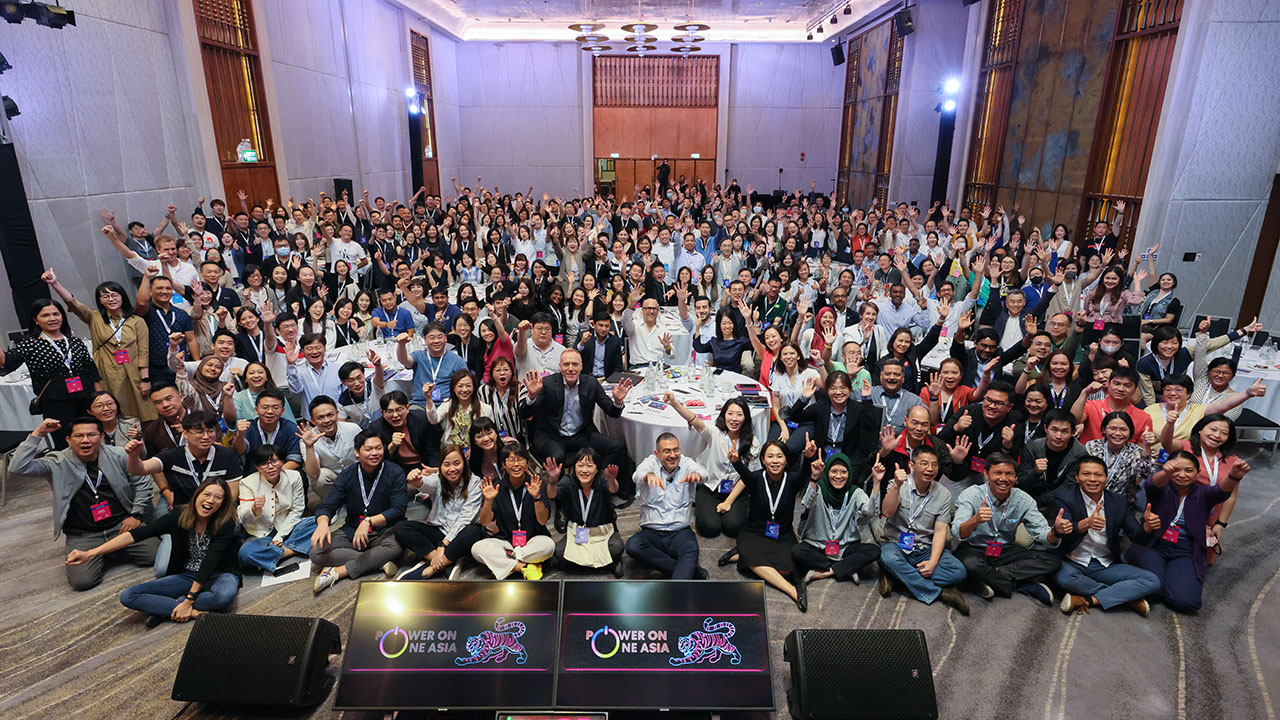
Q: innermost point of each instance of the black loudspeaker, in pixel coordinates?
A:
(340, 184)
(837, 54)
(857, 674)
(257, 660)
(902, 21)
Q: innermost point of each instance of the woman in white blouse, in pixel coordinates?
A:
(790, 372)
(733, 428)
(272, 501)
(450, 529)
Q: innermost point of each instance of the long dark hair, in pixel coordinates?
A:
(476, 456)
(126, 307)
(1227, 446)
(447, 491)
(223, 515)
(33, 328)
(746, 434)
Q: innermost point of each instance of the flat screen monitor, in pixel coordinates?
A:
(444, 645)
(664, 645)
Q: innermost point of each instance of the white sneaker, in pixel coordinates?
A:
(455, 570)
(984, 590)
(325, 579)
(415, 570)
(856, 580)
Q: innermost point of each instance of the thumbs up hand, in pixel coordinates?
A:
(1150, 521)
(1062, 527)
(984, 511)
(1098, 521)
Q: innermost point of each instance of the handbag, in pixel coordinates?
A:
(593, 554)
(34, 407)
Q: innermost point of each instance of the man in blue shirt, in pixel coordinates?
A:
(391, 320)
(269, 428)
(666, 482)
(444, 312)
(435, 365)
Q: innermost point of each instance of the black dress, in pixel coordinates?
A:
(63, 376)
(755, 547)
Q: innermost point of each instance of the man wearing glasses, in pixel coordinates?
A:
(979, 430)
(184, 468)
(647, 342)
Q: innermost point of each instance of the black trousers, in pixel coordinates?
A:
(422, 539)
(711, 523)
(612, 452)
(1016, 565)
(856, 557)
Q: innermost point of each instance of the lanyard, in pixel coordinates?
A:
(1030, 431)
(982, 442)
(1213, 474)
(519, 509)
(167, 320)
(368, 496)
(464, 350)
(93, 486)
(436, 370)
(774, 501)
(945, 406)
(1058, 397)
(1107, 459)
(267, 439)
(1176, 423)
(65, 356)
(833, 517)
(258, 346)
(115, 332)
(1177, 519)
(889, 411)
(1161, 368)
(192, 467)
(585, 502)
(916, 509)
(995, 521)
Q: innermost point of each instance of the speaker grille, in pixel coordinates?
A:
(849, 674)
(245, 659)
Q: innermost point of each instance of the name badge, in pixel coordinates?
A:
(1098, 324)
(907, 541)
(831, 548)
(502, 433)
(121, 356)
(1146, 316)
(437, 394)
(1162, 456)
(977, 465)
(101, 511)
(726, 486)
(1170, 534)
(726, 282)
(817, 243)
(943, 333)
(519, 538)
(559, 339)
(994, 549)
(74, 385)
(791, 425)
(581, 535)
(538, 254)
(771, 530)
(940, 426)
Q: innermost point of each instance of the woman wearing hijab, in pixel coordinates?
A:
(830, 544)
(203, 389)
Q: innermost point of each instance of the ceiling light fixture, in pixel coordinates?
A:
(592, 38)
(639, 28)
(848, 10)
(686, 49)
(819, 29)
(692, 27)
(833, 19)
(810, 37)
(641, 39)
(596, 49)
(688, 39)
(586, 27)
(641, 49)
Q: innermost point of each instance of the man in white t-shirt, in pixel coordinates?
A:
(345, 248)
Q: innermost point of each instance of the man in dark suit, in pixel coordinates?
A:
(839, 426)
(1050, 462)
(410, 440)
(601, 350)
(1093, 573)
(561, 418)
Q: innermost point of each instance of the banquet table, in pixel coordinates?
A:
(15, 398)
(681, 341)
(1251, 369)
(643, 421)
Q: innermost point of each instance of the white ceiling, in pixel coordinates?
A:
(548, 20)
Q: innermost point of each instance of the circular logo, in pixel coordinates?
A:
(617, 643)
(382, 643)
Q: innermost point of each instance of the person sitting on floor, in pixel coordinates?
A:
(374, 495)
(270, 427)
(986, 521)
(94, 497)
(591, 540)
(917, 510)
(328, 447)
(450, 529)
(516, 514)
(666, 482)
(732, 429)
(839, 511)
(202, 567)
(272, 501)
(1092, 573)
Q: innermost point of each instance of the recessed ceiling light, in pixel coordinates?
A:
(692, 27)
(586, 27)
(639, 28)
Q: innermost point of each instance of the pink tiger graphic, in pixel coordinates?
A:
(709, 646)
(495, 645)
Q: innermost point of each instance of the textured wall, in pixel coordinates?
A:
(102, 124)
(1062, 64)
(444, 76)
(520, 116)
(1215, 161)
(784, 100)
(868, 111)
(340, 97)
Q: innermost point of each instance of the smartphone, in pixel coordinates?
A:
(285, 569)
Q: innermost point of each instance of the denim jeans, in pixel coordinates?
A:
(161, 565)
(1115, 584)
(160, 597)
(262, 553)
(901, 565)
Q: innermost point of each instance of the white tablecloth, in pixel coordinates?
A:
(15, 398)
(1250, 370)
(681, 340)
(640, 425)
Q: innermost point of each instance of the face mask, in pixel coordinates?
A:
(757, 209)
(1036, 279)
(1110, 349)
(1070, 274)
(282, 252)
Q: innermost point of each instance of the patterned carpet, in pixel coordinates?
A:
(82, 655)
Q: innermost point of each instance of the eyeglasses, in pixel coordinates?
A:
(995, 403)
(200, 432)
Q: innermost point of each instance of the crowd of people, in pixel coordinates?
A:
(959, 402)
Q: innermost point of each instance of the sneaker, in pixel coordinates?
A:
(325, 579)
(983, 590)
(856, 580)
(1073, 603)
(455, 570)
(886, 585)
(1038, 592)
(532, 571)
(954, 598)
(389, 569)
(728, 557)
(618, 569)
(1139, 606)
(413, 572)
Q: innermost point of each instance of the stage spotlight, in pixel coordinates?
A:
(810, 37)
(10, 107)
(413, 109)
(949, 106)
(12, 12)
(51, 16)
(410, 92)
(848, 10)
(951, 86)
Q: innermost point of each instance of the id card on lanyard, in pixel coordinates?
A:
(519, 536)
(772, 529)
(100, 509)
(366, 496)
